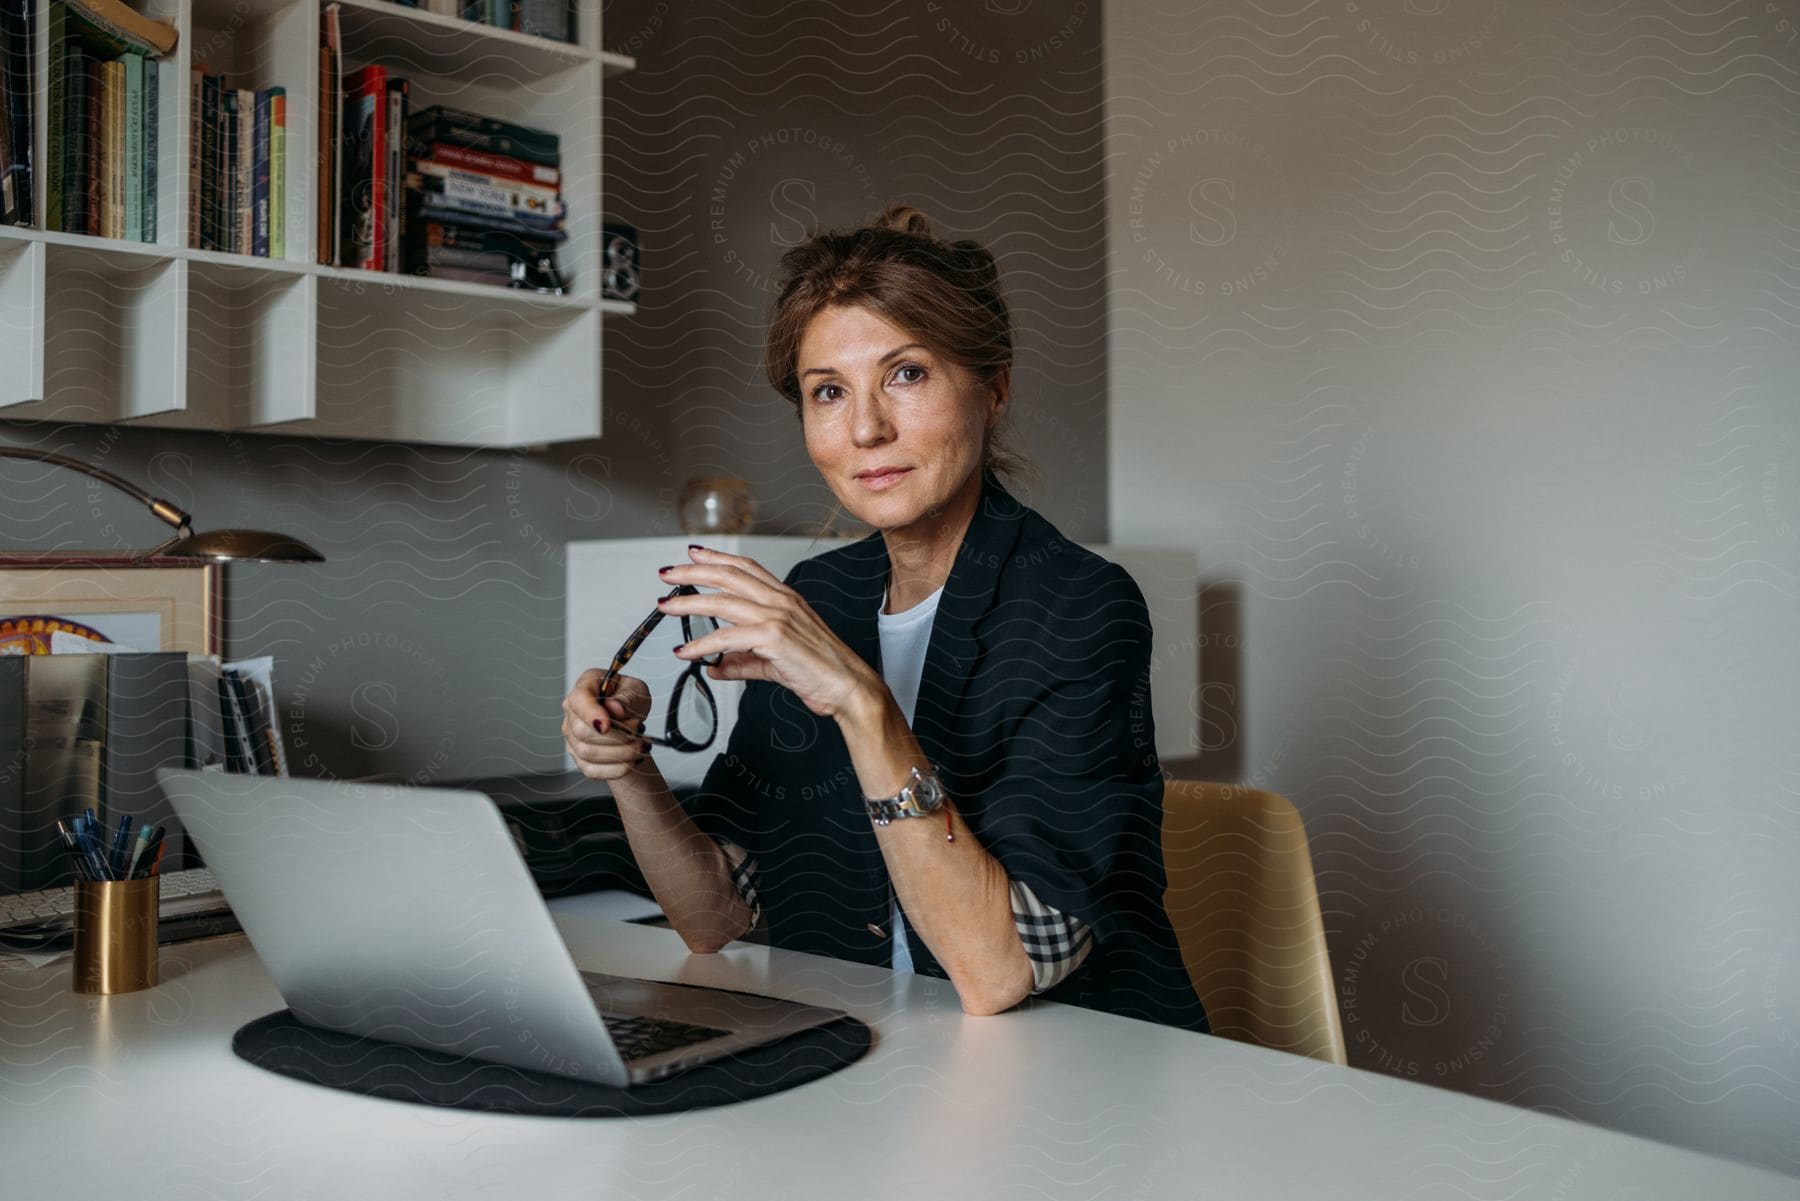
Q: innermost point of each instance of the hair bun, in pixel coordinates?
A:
(977, 262)
(905, 219)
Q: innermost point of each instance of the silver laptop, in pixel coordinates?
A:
(407, 914)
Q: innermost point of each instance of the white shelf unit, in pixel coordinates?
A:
(99, 330)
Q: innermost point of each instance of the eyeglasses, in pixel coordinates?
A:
(699, 706)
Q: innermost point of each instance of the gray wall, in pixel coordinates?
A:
(1459, 341)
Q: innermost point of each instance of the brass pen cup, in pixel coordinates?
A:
(115, 935)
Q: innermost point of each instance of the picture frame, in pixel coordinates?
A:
(146, 603)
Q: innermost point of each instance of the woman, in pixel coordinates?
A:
(966, 650)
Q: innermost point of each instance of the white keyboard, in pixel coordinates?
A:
(191, 890)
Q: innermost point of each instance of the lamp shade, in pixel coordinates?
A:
(223, 545)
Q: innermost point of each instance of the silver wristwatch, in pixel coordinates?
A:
(922, 796)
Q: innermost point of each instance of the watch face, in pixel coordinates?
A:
(930, 793)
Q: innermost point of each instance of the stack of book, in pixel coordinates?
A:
(104, 105)
(237, 167)
(18, 29)
(483, 200)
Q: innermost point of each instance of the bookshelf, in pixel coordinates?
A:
(100, 330)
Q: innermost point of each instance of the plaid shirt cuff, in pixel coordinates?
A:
(1055, 942)
(743, 876)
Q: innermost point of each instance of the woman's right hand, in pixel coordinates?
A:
(604, 734)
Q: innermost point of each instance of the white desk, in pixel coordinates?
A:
(140, 1096)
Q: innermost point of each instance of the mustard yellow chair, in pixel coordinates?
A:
(1245, 908)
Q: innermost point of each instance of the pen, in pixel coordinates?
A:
(77, 854)
(151, 856)
(90, 846)
(116, 854)
(136, 859)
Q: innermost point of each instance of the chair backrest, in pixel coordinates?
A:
(1245, 908)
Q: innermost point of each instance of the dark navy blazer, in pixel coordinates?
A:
(1035, 707)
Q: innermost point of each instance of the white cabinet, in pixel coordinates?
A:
(613, 585)
(98, 330)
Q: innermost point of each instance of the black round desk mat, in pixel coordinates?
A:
(282, 1043)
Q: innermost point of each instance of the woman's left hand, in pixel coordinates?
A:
(774, 634)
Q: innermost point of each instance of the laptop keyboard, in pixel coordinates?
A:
(637, 1037)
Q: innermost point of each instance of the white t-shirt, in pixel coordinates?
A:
(904, 637)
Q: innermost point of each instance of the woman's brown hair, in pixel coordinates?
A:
(944, 294)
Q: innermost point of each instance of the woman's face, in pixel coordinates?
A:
(871, 397)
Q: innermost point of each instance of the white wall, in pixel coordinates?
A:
(1460, 341)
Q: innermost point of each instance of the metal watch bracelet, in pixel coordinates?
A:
(921, 797)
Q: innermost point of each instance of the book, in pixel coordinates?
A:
(114, 165)
(257, 681)
(100, 154)
(132, 169)
(246, 169)
(152, 141)
(427, 208)
(394, 165)
(449, 154)
(212, 131)
(259, 180)
(239, 757)
(18, 95)
(278, 172)
(331, 148)
(75, 138)
(228, 146)
(365, 178)
(92, 104)
(60, 136)
(489, 134)
(480, 260)
(260, 756)
(530, 196)
(501, 198)
(196, 95)
(134, 32)
(440, 233)
(463, 275)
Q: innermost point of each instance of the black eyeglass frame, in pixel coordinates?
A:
(674, 739)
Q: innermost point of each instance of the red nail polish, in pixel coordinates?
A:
(664, 567)
(679, 649)
(599, 727)
(695, 546)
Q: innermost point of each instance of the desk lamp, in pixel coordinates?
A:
(217, 546)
